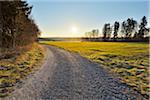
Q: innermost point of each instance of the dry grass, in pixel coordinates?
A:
(17, 67)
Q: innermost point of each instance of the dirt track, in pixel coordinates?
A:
(68, 76)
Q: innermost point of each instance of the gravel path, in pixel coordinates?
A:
(68, 76)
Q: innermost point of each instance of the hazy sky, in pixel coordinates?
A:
(57, 18)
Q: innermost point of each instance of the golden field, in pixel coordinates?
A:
(129, 61)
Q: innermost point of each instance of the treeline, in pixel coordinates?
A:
(17, 28)
(127, 30)
(93, 34)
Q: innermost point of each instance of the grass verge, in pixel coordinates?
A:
(18, 66)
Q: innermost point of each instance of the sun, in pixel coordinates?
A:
(74, 29)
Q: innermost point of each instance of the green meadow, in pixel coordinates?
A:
(129, 61)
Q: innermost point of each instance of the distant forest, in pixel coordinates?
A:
(128, 30)
(17, 28)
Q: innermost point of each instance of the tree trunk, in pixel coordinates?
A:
(0, 26)
(14, 33)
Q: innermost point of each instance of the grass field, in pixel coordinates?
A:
(17, 67)
(130, 61)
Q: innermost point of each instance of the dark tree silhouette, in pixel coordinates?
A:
(129, 30)
(106, 31)
(16, 26)
(116, 29)
(143, 30)
(129, 27)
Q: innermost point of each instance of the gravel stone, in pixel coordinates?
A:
(68, 76)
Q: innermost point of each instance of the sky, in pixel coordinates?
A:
(72, 18)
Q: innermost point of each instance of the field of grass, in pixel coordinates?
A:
(129, 61)
(16, 68)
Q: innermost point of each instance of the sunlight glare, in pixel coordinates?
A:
(74, 29)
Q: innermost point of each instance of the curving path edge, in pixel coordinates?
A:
(68, 76)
